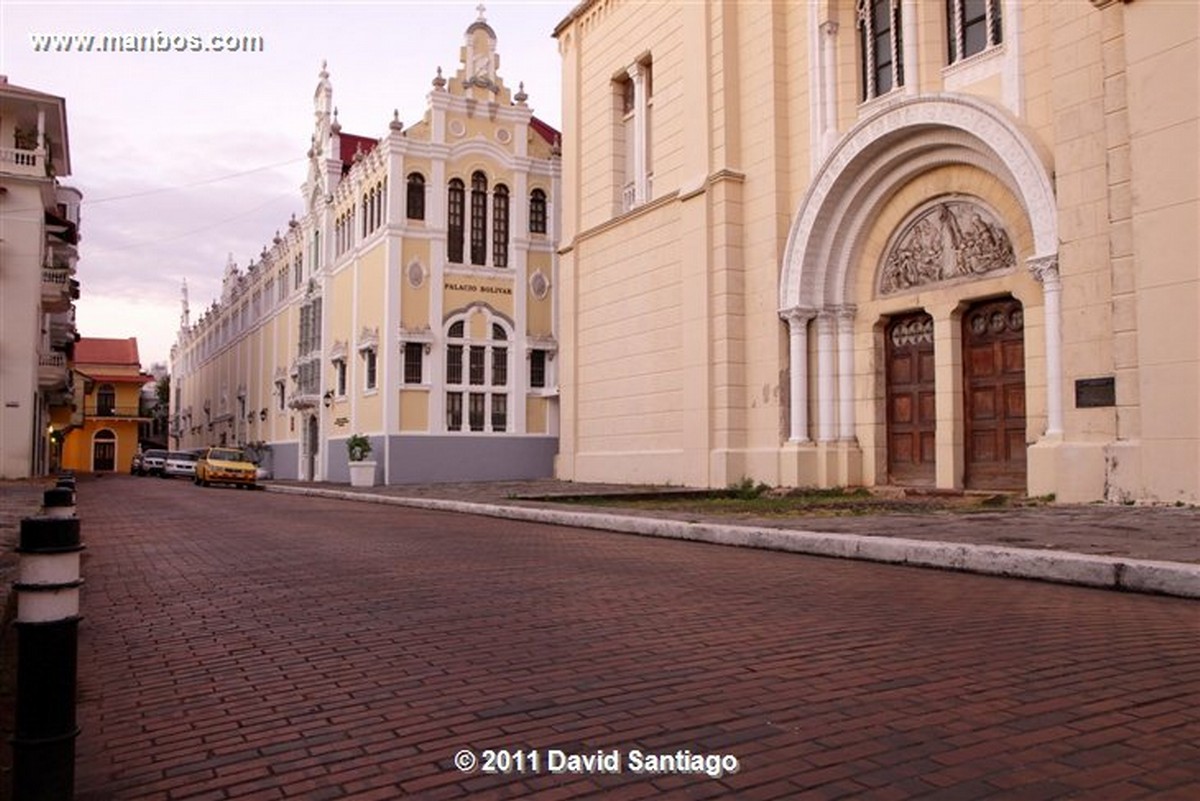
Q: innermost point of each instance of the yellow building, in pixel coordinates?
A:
(109, 378)
(39, 238)
(862, 242)
(412, 303)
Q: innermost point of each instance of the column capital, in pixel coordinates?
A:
(1044, 268)
(829, 28)
(797, 315)
(845, 313)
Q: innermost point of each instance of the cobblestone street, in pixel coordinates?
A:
(258, 645)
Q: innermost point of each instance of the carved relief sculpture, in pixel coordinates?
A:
(952, 239)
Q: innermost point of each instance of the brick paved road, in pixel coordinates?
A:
(253, 645)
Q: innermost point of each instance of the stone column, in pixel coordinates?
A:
(797, 320)
(825, 377)
(1045, 269)
(845, 345)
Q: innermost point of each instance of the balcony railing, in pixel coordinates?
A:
(56, 288)
(119, 411)
(22, 162)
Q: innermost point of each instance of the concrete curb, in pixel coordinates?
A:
(1063, 567)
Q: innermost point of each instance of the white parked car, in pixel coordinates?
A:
(180, 463)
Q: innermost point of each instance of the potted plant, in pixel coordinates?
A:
(362, 470)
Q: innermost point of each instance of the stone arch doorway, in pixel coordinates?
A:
(994, 419)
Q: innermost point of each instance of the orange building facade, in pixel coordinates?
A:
(109, 381)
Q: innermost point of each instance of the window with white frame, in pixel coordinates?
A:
(537, 212)
(537, 368)
(634, 93)
(456, 219)
(479, 192)
(476, 380)
(500, 226)
(416, 196)
(339, 372)
(880, 47)
(414, 362)
(972, 26)
(371, 371)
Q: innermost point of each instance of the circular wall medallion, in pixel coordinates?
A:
(457, 128)
(416, 275)
(539, 285)
(503, 136)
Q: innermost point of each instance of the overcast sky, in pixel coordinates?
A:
(185, 157)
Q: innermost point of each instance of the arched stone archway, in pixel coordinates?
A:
(872, 163)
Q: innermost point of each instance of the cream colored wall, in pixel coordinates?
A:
(414, 410)
(1162, 57)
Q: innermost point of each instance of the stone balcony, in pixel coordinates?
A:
(18, 161)
(53, 372)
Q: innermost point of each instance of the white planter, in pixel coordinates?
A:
(362, 474)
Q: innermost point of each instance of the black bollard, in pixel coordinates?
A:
(58, 502)
(47, 655)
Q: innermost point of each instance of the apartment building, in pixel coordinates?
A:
(413, 302)
(945, 245)
(39, 237)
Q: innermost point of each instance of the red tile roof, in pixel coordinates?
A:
(545, 131)
(91, 350)
(351, 143)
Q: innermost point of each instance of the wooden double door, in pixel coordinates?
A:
(993, 348)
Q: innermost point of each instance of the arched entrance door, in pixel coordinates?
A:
(911, 401)
(104, 451)
(994, 395)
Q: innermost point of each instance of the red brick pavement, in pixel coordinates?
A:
(259, 646)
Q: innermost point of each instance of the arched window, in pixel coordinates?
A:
(477, 385)
(500, 226)
(456, 210)
(537, 212)
(106, 400)
(479, 187)
(416, 196)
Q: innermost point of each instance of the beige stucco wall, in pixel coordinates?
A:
(1104, 101)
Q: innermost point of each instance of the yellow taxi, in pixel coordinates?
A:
(225, 466)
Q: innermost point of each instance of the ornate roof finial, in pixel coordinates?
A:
(520, 96)
(292, 222)
(481, 8)
(278, 238)
(439, 82)
(324, 69)
(395, 124)
(335, 126)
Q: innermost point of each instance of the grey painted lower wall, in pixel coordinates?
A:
(424, 459)
(285, 460)
(339, 460)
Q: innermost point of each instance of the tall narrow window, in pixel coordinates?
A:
(882, 67)
(414, 357)
(500, 226)
(972, 27)
(537, 369)
(416, 196)
(537, 212)
(454, 414)
(633, 129)
(478, 218)
(106, 400)
(372, 368)
(456, 211)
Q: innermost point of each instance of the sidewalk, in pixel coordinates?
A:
(1133, 548)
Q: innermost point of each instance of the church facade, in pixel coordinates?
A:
(946, 245)
(413, 303)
